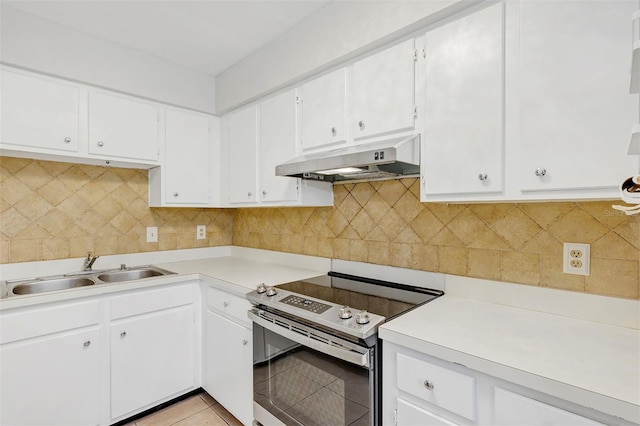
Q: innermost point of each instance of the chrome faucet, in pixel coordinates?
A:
(89, 261)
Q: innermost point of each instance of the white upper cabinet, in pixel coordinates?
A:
(384, 92)
(123, 127)
(187, 157)
(277, 145)
(574, 109)
(324, 111)
(38, 113)
(463, 143)
(243, 162)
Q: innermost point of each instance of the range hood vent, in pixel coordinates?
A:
(393, 158)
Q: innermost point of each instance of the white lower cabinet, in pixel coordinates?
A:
(229, 353)
(421, 390)
(152, 336)
(50, 362)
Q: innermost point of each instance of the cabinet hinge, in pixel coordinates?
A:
(415, 112)
(395, 417)
(424, 52)
(298, 99)
(415, 54)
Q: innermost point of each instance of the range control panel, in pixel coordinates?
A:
(306, 304)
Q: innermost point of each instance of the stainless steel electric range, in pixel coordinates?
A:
(317, 356)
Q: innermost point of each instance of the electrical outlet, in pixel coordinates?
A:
(201, 232)
(152, 234)
(575, 259)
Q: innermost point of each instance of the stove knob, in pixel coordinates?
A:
(345, 313)
(261, 288)
(362, 317)
(271, 291)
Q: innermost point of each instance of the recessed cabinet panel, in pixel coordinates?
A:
(121, 127)
(575, 109)
(187, 157)
(384, 92)
(463, 140)
(324, 111)
(52, 381)
(411, 415)
(38, 112)
(277, 145)
(242, 155)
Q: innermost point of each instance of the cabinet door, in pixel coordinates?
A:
(187, 157)
(575, 110)
(52, 381)
(384, 92)
(229, 366)
(411, 415)
(121, 127)
(242, 155)
(152, 358)
(38, 113)
(277, 145)
(463, 141)
(324, 110)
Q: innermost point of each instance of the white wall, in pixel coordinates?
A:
(338, 32)
(36, 44)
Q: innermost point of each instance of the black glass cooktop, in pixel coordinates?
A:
(383, 298)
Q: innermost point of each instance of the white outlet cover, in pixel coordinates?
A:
(584, 257)
(152, 234)
(201, 232)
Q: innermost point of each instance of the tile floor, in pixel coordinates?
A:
(197, 410)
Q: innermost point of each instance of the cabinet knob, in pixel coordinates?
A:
(225, 304)
(67, 140)
(428, 384)
(264, 192)
(249, 194)
(100, 144)
(123, 334)
(87, 343)
(541, 172)
(244, 342)
(483, 176)
(334, 131)
(175, 194)
(361, 124)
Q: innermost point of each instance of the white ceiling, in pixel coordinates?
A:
(207, 36)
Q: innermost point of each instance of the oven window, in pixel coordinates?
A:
(301, 386)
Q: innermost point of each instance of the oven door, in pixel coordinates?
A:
(302, 376)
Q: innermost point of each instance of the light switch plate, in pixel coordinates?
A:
(152, 234)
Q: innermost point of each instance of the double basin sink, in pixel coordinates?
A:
(81, 279)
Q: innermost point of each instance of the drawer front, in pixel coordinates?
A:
(445, 388)
(512, 410)
(47, 320)
(228, 304)
(410, 415)
(151, 300)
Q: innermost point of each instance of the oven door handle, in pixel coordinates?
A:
(351, 356)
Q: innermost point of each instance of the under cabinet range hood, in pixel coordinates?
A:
(392, 158)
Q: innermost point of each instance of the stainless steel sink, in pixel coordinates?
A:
(44, 285)
(130, 274)
(79, 279)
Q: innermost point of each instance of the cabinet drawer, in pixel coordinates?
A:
(230, 305)
(409, 414)
(151, 300)
(33, 323)
(445, 388)
(512, 410)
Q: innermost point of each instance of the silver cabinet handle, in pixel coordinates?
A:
(244, 342)
(334, 131)
(67, 139)
(87, 343)
(361, 124)
(428, 384)
(175, 194)
(123, 334)
(100, 144)
(482, 176)
(225, 304)
(541, 172)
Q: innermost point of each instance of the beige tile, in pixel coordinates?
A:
(613, 246)
(603, 212)
(228, 417)
(489, 240)
(54, 192)
(392, 224)
(407, 235)
(467, 226)
(358, 251)
(12, 222)
(522, 268)
(362, 224)
(446, 238)
(55, 249)
(378, 252)
(349, 207)
(175, 413)
(341, 248)
(401, 255)
(425, 257)
(33, 207)
(426, 225)
(516, 228)
(551, 275)
(5, 249)
(391, 191)
(485, 264)
(33, 175)
(206, 417)
(630, 231)
(577, 227)
(613, 277)
(452, 260)
(377, 207)
(25, 250)
(362, 192)
(545, 243)
(492, 212)
(13, 190)
(545, 213)
(445, 212)
(409, 206)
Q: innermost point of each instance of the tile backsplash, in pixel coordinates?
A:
(51, 210)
